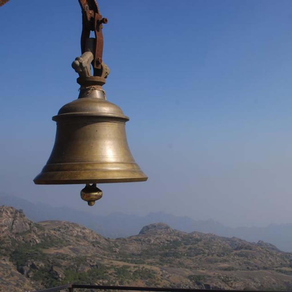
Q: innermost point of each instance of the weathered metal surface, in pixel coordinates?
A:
(2, 2)
(82, 64)
(92, 21)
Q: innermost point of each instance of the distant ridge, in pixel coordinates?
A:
(123, 225)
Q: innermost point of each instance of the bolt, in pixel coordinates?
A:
(104, 20)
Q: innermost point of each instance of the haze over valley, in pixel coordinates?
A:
(123, 225)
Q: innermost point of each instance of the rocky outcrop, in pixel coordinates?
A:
(13, 221)
(16, 229)
(11, 280)
(267, 245)
(154, 228)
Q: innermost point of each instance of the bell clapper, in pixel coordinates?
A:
(90, 194)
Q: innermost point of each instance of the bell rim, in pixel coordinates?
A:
(87, 173)
(43, 181)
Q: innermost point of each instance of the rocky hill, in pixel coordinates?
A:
(124, 225)
(51, 253)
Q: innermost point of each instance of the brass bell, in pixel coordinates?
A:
(91, 145)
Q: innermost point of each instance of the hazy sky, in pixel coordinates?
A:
(207, 85)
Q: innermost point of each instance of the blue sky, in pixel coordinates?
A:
(206, 85)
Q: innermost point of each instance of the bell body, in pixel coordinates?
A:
(91, 144)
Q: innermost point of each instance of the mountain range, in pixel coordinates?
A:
(123, 225)
(51, 253)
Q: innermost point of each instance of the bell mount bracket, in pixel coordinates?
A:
(91, 48)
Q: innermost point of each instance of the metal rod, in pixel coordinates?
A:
(56, 289)
(130, 288)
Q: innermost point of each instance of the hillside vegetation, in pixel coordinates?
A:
(51, 253)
